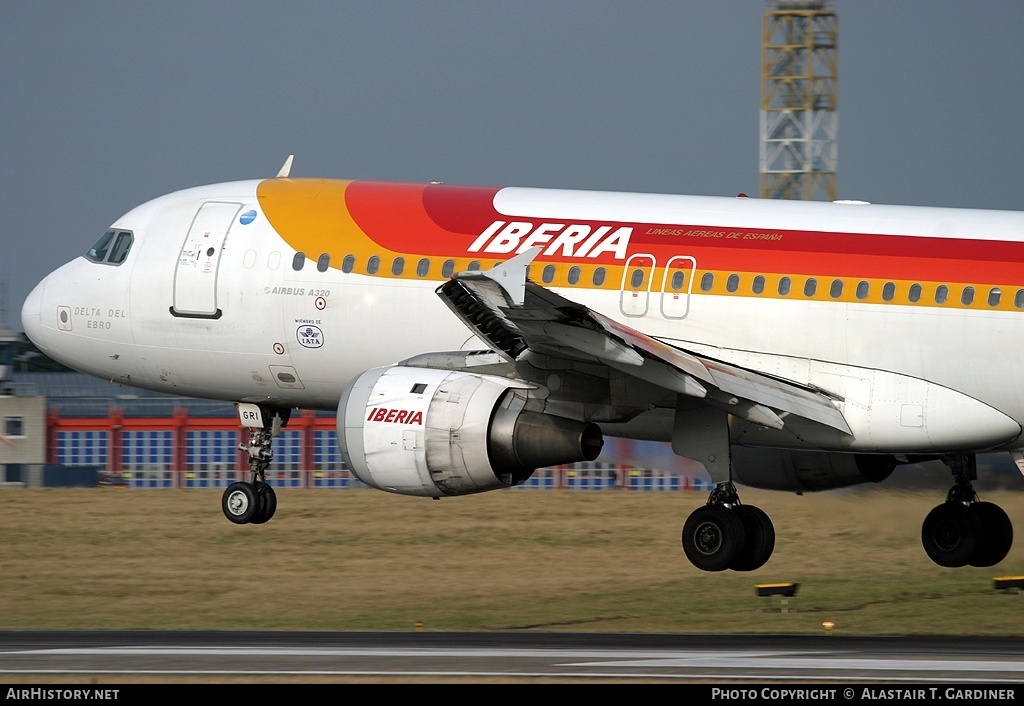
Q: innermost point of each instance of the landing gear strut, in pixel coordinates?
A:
(964, 531)
(255, 502)
(727, 535)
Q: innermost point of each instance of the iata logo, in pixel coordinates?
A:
(310, 336)
(566, 239)
(394, 416)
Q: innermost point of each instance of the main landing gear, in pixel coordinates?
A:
(727, 535)
(964, 531)
(255, 502)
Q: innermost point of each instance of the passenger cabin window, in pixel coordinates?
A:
(298, 261)
(636, 279)
(862, 290)
(422, 267)
(784, 286)
(599, 276)
(941, 294)
(323, 262)
(810, 287)
(112, 247)
(914, 294)
(448, 268)
(733, 283)
(548, 274)
(994, 295)
(888, 291)
(574, 275)
(836, 290)
(967, 298)
(1018, 299)
(398, 266)
(758, 285)
(707, 282)
(348, 264)
(678, 280)
(372, 265)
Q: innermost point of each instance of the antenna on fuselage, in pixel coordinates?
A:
(287, 168)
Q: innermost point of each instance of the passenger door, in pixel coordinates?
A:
(195, 274)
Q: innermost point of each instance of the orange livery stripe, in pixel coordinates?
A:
(439, 221)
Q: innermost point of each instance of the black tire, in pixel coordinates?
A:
(759, 541)
(239, 502)
(713, 537)
(997, 535)
(268, 504)
(951, 534)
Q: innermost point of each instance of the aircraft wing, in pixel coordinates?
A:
(513, 315)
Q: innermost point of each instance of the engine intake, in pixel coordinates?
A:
(421, 431)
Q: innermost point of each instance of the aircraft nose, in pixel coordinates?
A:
(31, 315)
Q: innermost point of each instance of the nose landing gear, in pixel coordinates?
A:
(249, 503)
(255, 502)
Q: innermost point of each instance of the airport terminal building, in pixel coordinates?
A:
(65, 428)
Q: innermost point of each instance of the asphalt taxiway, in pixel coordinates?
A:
(40, 656)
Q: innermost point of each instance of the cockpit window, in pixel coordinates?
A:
(122, 244)
(98, 252)
(112, 247)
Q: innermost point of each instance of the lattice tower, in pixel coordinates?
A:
(799, 99)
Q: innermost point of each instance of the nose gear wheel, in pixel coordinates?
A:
(255, 502)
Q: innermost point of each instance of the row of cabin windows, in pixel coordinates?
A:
(678, 280)
(863, 290)
(373, 264)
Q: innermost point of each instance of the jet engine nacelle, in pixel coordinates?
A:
(421, 431)
(778, 469)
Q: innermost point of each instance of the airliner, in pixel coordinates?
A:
(467, 336)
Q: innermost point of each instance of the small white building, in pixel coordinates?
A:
(22, 439)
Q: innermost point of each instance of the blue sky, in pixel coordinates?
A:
(107, 104)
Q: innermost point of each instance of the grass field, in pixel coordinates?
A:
(603, 561)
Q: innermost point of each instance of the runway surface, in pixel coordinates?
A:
(45, 656)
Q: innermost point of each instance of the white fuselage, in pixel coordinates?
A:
(257, 328)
